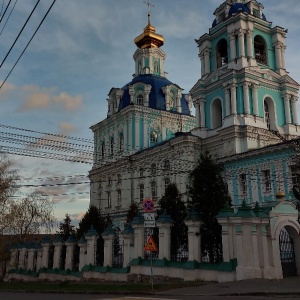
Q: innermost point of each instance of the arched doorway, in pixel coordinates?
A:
(287, 252)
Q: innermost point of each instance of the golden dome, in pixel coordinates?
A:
(280, 195)
(149, 39)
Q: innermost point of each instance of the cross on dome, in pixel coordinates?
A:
(148, 3)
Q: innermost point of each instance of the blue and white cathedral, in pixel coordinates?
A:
(245, 113)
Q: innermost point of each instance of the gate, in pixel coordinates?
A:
(287, 254)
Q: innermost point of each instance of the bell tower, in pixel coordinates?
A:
(244, 95)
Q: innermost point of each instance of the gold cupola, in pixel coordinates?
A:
(149, 39)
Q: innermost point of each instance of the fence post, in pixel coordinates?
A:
(139, 235)
(128, 237)
(108, 236)
(57, 243)
(91, 237)
(164, 224)
(82, 243)
(193, 222)
(70, 243)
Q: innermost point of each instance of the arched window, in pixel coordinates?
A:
(112, 146)
(167, 165)
(172, 101)
(108, 199)
(139, 68)
(167, 182)
(153, 169)
(153, 190)
(141, 186)
(119, 179)
(221, 53)
(269, 114)
(119, 196)
(153, 137)
(140, 100)
(216, 114)
(156, 70)
(260, 50)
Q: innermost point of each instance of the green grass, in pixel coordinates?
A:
(93, 287)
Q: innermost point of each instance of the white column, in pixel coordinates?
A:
(146, 133)
(164, 240)
(207, 61)
(277, 46)
(69, 255)
(45, 255)
(128, 238)
(39, 259)
(137, 132)
(139, 235)
(249, 43)
(91, 249)
(202, 64)
(287, 109)
(255, 99)
(57, 254)
(82, 252)
(131, 93)
(241, 42)
(246, 98)
(232, 45)
(202, 112)
(233, 99)
(108, 250)
(130, 134)
(227, 100)
(283, 56)
(194, 239)
(30, 259)
(197, 113)
(294, 110)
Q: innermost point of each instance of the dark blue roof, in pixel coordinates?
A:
(156, 97)
(238, 7)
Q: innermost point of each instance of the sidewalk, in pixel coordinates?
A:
(286, 286)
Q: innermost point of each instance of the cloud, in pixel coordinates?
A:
(7, 87)
(67, 127)
(40, 99)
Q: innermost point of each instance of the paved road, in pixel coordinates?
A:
(36, 296)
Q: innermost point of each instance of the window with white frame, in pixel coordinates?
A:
(119, 196)
(243, 183)
(153, 137)
(142, 188)
(119, 181)
(108, 199)
(267, 180)
(153, 169)
(140, 100)
(167, 165)
(294, 175)
(141, 172)
(167, 181)
(153, 190)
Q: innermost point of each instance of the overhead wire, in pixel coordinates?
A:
(28, 43)
(8, 16)
(19, 34)
(5, 10)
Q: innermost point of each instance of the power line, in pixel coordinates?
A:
(8, 17)
(16, 39)
(5, 10)
(28, 43)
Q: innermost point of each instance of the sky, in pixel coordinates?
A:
(82, 50)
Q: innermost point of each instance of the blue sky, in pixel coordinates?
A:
(82, 50)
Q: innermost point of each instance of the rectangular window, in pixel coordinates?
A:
(119, 196)
(267, 180)
(295, 179)
(243, 184)
(108, 199)
(141, 192)
(141, 172)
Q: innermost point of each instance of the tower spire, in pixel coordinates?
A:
(149, 38)
(148, 3)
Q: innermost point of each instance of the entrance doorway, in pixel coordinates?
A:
(287, 254)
